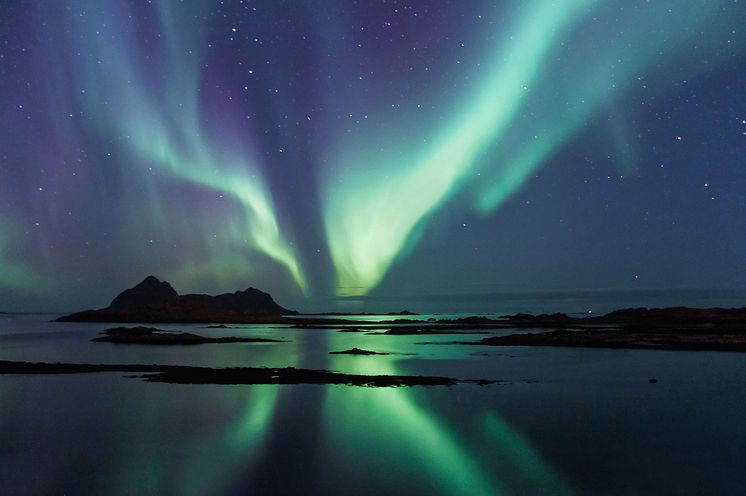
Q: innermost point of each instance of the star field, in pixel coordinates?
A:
(352, 151)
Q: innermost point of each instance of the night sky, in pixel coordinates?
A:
(360, 151)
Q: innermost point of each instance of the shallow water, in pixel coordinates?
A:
(566, 421)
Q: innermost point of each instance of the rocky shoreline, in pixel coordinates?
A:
(681, 328)
(153, 336)
(625, 339)
(179, 374)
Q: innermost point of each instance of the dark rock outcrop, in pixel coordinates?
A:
(155, 301)
(182, 374)
(153, 336)
(150, 291)
(554, 319)
(638, 318)
(675, 316)
(653, 339)
(357, 351)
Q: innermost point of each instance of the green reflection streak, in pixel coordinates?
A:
(252, 426)
(166, 129)
(408, 435)
(243, 440)
(208, 459)
(373, 209)
(393, 420)
(521, 459)
(215, 461)
(251, 429)
(212, 463)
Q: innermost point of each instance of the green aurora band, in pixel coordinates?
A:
(166, 130)
(378, 205)
(595, 78)
(373, 217)
(13, 274)
(538, 87)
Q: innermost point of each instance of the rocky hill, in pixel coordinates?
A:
(155, 301)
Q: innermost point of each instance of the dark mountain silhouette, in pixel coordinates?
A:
(150, 291)
(155, 301)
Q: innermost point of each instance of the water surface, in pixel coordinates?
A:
(566, 421)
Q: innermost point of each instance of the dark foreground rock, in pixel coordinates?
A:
(417, 331)
(177, 374)
(357, 351)
(153, 336)
(693, 340)
(639, 318)
(155, 301)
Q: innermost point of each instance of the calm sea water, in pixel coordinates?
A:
(567, 421)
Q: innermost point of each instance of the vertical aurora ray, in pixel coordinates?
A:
(592, 79)
(546, 84)
(217, 144)
(374, 207)
(162, 126)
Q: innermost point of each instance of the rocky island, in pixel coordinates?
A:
(675, 328)
(155, 301)
(692, 340)
(153, 336)
(184, 374)
(357, 351)
(638, 318)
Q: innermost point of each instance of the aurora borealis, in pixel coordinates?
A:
(323, 151)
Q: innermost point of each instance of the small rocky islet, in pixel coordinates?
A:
(153, 336)
(181, 374)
